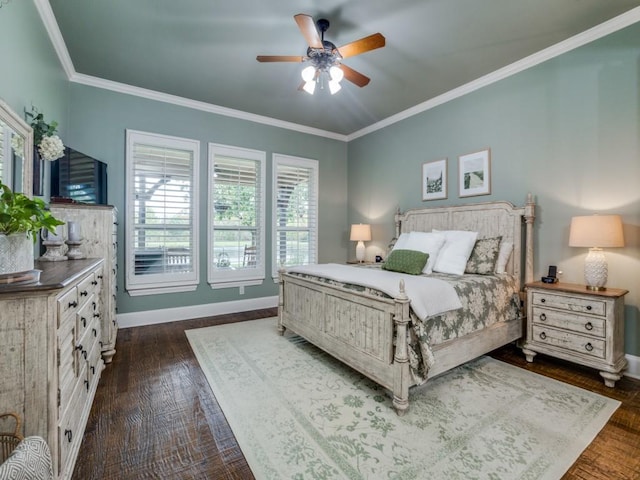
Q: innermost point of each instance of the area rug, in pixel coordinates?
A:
(299, 414)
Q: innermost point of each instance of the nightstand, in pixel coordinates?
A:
(568, 321)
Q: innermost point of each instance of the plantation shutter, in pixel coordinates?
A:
(296, 203)
(163, 214)
(237, 216)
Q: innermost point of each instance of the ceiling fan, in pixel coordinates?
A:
(325, 59)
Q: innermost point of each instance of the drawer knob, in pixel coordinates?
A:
(95, 332)
(543, 335)
(93, 370)
(588, 347)
(69, 435)
(543, 300)
(589, 307)
(84, 293)
(94, 283)
(86, 384)
(543, 316)
(73, 304)
(588, 326)
(84, 322)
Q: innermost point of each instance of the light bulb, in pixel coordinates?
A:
(309, 87)
(336, 74)
(334, 87)
(308, 73)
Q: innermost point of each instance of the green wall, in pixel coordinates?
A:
(31, 72)
(567, 131)
(97, 122)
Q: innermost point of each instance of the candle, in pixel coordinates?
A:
(74, 231)
(54, 237)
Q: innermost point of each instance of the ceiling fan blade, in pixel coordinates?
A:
(354, 76)
(308, 28)
(363, 45)
(279, 58)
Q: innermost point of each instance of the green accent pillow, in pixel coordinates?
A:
(484, 256)
(406, 261)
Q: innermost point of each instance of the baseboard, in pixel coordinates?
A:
(633, 369)
(152, 317)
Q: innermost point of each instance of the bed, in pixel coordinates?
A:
(379, 332)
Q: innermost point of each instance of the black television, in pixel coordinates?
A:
(79, 178)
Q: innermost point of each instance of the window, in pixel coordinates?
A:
(295, 222)
(236, 216)
(162, 213)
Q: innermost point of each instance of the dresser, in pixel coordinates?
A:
(98, 230)
(50, 354)
(583, 326)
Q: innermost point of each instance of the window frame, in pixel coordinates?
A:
(303, 163)
(154, 284)
(254, 275)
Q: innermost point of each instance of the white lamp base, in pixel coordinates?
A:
(595, 269)
(360, 251)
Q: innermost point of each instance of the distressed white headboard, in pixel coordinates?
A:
(491, 219)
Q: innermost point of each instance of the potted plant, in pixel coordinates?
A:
(21, 219)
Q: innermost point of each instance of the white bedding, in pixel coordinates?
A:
(428, 296)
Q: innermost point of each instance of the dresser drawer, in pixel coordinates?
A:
(570, 321)
(571, 304)
(67, 304)
(593, 347)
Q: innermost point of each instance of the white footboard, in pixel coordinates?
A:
(358, 329)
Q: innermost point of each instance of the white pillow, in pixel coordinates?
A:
(455, 252)
(426, 242)
(503, 256)
(401, 242)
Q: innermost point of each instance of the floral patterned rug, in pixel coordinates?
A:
(299, 414)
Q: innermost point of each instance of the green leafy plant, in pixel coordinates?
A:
(21, 214)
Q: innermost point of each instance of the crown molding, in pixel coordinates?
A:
(51, 25)
(197, 105)
(610, 26)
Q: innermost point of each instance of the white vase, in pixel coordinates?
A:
(16, 253)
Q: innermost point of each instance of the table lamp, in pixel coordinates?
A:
(596, 232)
(360, 233)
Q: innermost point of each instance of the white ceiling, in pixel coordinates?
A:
(205, 50)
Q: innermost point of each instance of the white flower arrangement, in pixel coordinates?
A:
(51, 148)
(49, 145)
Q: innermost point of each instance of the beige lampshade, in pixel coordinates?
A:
(596, 231)
(360, 232)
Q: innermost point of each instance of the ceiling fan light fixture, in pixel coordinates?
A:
(334, 87)
(309, 87)
(336, 73)
(308, 73)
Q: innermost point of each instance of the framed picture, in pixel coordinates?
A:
(434, 180)
(475, 173)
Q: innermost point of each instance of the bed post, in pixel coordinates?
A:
(281, 328)
(529, 217)
(401, 376)
(397, 219)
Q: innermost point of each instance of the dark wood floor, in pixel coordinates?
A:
(154, 415)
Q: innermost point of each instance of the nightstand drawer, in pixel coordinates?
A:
(569, 341)
(570, 321)
(570, 303)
